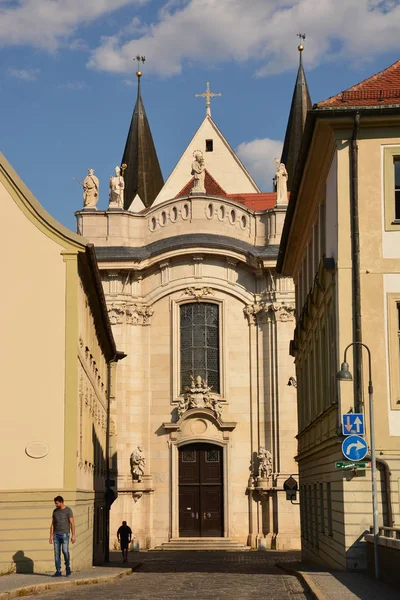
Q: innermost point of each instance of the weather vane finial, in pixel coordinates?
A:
(302, 37)
(139, 59)
(208, 95)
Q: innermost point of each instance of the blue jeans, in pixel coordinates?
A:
(61, 542)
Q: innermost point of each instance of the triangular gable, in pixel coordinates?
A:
(221, 163)
(380, 89)
(137, 205)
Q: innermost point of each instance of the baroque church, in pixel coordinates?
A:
(203, 410)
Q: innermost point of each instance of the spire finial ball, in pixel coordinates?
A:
(138, 74)
(300, 47)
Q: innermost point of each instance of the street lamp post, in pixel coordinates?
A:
(345, 375)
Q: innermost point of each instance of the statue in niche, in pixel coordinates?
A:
(198, 172)
(265, 463)
(138, 463)
(90, 190)
(281, 177)
(117, 186)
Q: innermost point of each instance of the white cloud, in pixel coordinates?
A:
(24, 74)
(258, 157)
(217, 31)
(47, 23)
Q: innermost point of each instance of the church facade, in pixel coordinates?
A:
(205, 419)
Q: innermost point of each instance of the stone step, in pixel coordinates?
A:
(202, 544)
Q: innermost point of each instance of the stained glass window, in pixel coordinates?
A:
(199, 333)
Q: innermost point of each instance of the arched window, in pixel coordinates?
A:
(199, 343)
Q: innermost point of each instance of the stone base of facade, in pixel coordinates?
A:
(25, 521)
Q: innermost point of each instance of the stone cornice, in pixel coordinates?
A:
(130, 313)
(263, 312)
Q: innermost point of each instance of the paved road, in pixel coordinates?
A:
(197, 575)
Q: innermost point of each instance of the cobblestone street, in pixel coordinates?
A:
(199, 575)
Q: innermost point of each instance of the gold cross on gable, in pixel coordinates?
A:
(208, 94)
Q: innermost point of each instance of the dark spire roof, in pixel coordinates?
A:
(301, 102)
(143, 174)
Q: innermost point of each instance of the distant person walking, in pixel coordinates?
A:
(124, 535)
(62, 524)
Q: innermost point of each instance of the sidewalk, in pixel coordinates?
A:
(18, 584)
(338, 585)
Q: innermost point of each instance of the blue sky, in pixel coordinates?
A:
(69, 85)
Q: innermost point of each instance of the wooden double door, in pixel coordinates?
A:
(200, 491)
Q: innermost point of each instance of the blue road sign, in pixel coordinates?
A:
(353, 423)
(354, 447)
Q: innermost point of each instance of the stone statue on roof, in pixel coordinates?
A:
(117, 186)
(198, 172)
(281, 183)
(90, 190)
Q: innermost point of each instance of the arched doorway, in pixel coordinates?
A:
(201, 494)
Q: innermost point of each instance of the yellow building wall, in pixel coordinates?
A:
(33, 352)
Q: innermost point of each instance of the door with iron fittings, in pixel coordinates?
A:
(200, 491)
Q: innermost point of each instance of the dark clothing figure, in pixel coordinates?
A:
(124, 535)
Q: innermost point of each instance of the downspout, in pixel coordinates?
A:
(108, 482)
(109, 492)
(383, 466)
(355, 260)
(388, 491)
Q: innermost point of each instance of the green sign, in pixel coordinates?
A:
(347, 464)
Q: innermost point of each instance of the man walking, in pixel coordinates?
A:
(124, 535)
(62, 523)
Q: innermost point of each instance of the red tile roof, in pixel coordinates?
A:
(255, 201)
(212, 187)
(381, 89)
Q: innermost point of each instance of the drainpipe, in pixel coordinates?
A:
(355, 260)
(108, 482)
(388, 491)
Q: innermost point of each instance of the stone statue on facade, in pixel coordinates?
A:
(117, 186)
(90, 190)
(265, 463)
(138, 463)
(281, 183)
(198, 395)
(198, 172)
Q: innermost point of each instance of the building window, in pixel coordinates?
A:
(397, 188)
(209, 145)
(394, 349)
(391, 173)
(199, 344)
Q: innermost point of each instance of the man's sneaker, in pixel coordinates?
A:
(57, 574)
(67, 571)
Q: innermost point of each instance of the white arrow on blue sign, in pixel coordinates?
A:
(353, 423)
(354, 448)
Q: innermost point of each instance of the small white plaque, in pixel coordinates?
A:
(37, 449)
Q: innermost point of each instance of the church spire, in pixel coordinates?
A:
(301, 102)
(142, 173)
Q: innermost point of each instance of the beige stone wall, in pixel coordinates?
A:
(143, 299)
(182, 216)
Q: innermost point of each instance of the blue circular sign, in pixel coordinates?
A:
(354, 447)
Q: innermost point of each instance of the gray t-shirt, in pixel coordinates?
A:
(61, 517)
